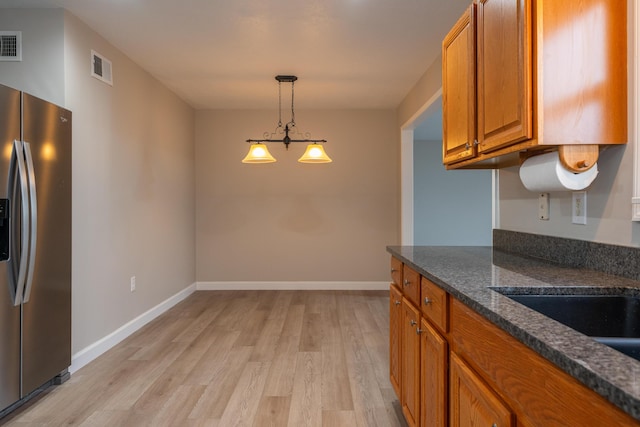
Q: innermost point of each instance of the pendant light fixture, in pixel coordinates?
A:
(258, 152)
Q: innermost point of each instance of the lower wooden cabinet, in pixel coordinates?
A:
(395, 323)
(450, 366)
(410, 364)
(537, 392)
(434, 357)
(472, 402)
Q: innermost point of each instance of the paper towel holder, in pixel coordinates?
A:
(578, 158)
(574, 158)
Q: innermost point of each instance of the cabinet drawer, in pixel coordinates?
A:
(396, 271)
(411, 285)
(434, 304)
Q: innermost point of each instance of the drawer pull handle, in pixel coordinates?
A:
(406, 282)
(418, 331)
(413, 322)
(397, 302)
(427, 301)
(393, 270)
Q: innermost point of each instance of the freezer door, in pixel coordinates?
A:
(9, 314)
(46, 310)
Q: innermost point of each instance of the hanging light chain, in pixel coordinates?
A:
(279, 104)
(293, 114)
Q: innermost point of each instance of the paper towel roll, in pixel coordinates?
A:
(545, 173)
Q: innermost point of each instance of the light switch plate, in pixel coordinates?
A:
(579, 207)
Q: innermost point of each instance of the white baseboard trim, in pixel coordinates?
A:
(304, 286)
(91, 352)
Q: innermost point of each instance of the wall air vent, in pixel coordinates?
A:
(101, 68)
(10, 45)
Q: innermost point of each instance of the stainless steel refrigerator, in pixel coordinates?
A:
(35, 245)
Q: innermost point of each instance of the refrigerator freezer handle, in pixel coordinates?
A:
(33, 236)
(17, 288)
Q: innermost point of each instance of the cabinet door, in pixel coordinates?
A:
(459, 90)
(410, 364)
(395, 322)
(504, 70)
(472, 403)
(433, 371)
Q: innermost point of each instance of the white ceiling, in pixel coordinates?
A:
(225, 53)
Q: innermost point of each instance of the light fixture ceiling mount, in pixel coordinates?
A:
(258, 152)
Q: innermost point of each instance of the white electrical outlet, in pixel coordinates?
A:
(579, 207)
(133, 283)
(543, 206)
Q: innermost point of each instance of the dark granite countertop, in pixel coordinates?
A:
(469, 273)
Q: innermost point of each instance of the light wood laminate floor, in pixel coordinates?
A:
(238, 358)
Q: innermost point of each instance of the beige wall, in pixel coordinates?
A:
(424, 90)
(288, 221)
(41, 71)
(133, 189)
(608, 204)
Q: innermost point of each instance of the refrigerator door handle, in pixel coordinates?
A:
(17, 288)
(33, 235)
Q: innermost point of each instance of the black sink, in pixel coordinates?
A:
(613, 320)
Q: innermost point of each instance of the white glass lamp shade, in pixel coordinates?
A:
(258, 153)
(315, 154)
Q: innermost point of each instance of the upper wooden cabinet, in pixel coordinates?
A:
(505, 106)
(548, 74)
(459, 98)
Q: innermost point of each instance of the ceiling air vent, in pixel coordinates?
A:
(101, 68)
(10, 45)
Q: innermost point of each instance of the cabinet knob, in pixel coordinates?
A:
(406, 282)
(413, 322)
(427, 301)
(467, 145)
(397, 302)
(393, 270)
(494, 425)
(418, 331)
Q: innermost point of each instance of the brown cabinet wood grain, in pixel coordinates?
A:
(434, 360)
(396, 271)
(505, 105)
(472, 402)
(411, 285)
(410, 364)
(541, 394)
(459, 100)
(395, 332)
(434, 304)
